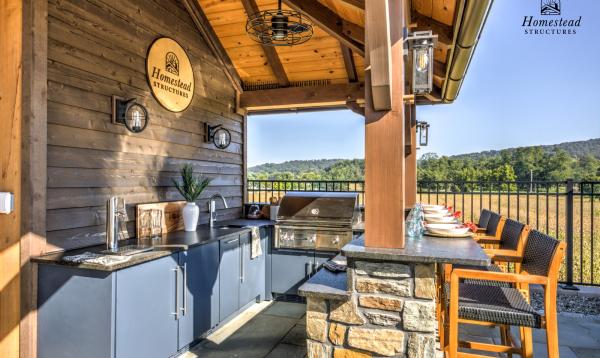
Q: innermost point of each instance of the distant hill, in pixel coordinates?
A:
(579, 159)
(295, 166)
(575, 149)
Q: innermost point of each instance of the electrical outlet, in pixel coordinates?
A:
(7, 203)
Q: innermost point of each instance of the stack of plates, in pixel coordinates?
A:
(436, 219)
(448, 230)
(433, 207)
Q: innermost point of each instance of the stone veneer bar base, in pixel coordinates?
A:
(390, 312)
(384, 305)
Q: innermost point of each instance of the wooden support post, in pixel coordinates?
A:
(384, 134)
(11, 60)
(410, 186)
(23, 101)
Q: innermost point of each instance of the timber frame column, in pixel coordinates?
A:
(384, 133)
(23, 137)
(410, 185)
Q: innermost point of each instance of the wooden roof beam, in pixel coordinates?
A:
(344, 31)
(336, 95)
(349, 63)
(207, 32)
(357, 3)
(424, 23)
(270, 53)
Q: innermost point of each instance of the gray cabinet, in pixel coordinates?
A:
(199, 306)
(252, 280)
(229, 277)
(146, 307)
(291, 268)
(153, 309)
(75, 312)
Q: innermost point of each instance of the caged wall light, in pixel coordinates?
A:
(423, 128)
(129, 113)
(279, 27)
(421, 44)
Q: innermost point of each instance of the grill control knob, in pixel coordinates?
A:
(313, 239)
(336, 240)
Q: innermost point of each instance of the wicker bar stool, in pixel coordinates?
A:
(490, 305)
(484, 219)
(512, 243)
(494, 227)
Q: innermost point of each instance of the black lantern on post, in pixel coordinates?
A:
(421, 43)
(423, 128)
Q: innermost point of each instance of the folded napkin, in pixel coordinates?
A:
(256, 249)
(97, 259)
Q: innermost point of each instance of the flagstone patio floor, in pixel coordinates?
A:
(279, 331)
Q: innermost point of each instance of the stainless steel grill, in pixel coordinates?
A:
(316, 220)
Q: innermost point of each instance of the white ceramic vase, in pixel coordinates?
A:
(190, 216)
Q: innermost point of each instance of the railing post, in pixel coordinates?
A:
(569, 235)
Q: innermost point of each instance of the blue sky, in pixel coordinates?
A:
(520, 90)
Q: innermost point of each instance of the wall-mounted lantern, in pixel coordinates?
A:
(129, 113)
(423, 129)
(421, 44)
(218, 135)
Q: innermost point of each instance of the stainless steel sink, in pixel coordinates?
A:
(128, 250)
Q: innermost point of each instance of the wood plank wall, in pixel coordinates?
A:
(97, 48)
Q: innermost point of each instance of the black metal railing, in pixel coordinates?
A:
(261, 191)
(567, 210)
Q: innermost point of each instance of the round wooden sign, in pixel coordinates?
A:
(170, 74)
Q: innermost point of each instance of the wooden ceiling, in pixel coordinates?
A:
(324, 58)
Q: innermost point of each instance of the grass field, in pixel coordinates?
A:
(545, 212)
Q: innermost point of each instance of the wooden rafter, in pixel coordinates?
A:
(207, 32)
(443, 31)
(349, 63)
(358, 3)
(270, 53)
(344, 31)
(302, 97)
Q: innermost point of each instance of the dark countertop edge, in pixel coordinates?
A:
(413, 254)
(326, 284)
(134, 261)
(55, 258)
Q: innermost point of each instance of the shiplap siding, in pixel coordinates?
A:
(97, 48)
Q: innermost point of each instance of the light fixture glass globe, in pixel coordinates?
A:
(422, 60)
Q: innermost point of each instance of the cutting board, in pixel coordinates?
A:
(172, 216)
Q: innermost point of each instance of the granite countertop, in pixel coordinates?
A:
(327, 284)
(426, 249)
(168, 244)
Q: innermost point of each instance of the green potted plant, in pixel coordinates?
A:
(191, 187)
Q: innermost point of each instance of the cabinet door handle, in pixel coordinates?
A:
(184, 288)
(307, 268)
(242, 274)
(176, 313)
(231, 241)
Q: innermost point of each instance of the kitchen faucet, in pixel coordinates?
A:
(212, 208)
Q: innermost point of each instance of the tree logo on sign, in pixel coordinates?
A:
(172, 63)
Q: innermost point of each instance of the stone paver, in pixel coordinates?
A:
(286, 309)
(280, 331)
